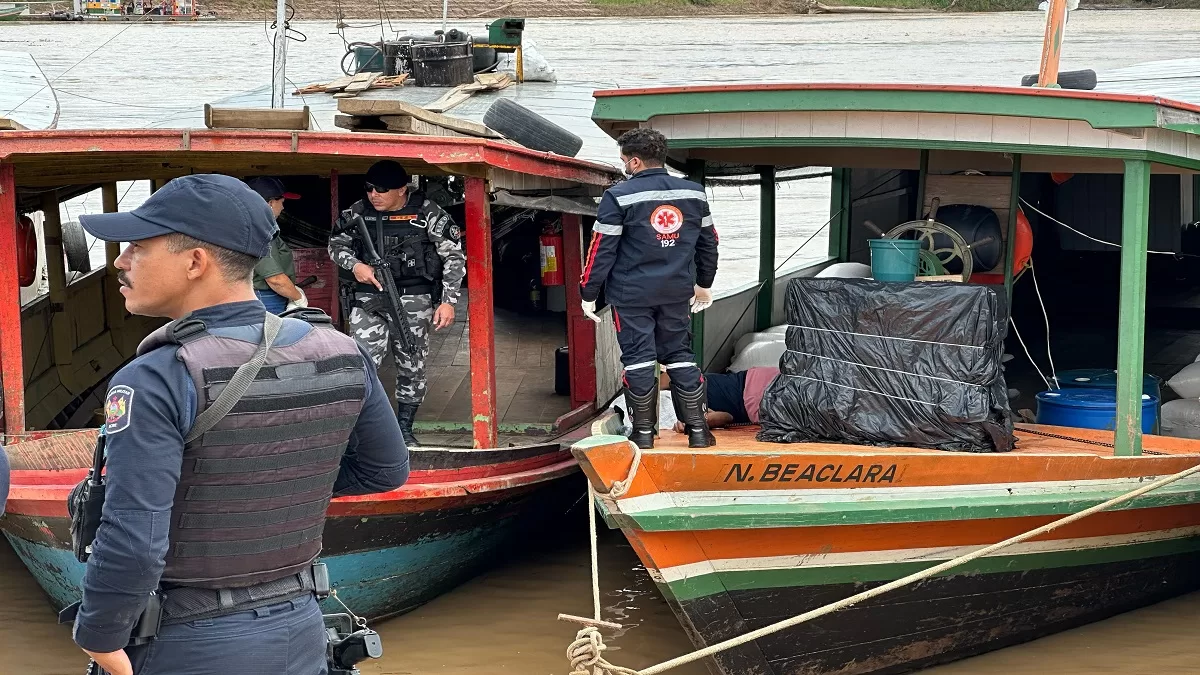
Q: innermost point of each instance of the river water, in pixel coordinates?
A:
(504, 621)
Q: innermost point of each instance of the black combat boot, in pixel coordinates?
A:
(690, 407)
(643, 413)
(405, 414)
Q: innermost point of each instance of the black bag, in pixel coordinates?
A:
(877, 363)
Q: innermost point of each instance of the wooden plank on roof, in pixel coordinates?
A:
(407, 124)
(292, 119)
(338, 84)
(454, 97)
(361, 83)
(7, 124)
(375, 107)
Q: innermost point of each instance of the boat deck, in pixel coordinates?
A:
(525, 400)
(1028, 443)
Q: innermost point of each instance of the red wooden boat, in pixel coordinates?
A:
(495, 467)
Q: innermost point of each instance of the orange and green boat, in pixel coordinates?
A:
(745, 534)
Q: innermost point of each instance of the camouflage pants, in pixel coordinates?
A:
(371, 325)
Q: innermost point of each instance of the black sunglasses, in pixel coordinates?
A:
(371, 187)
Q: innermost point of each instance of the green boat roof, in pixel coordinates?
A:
(699, 121)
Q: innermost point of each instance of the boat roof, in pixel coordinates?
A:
(734, 127)
(77, 160)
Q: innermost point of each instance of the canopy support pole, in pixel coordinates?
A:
(696, 171)
(581, 331)
(1014, 206)
(922, 179)
(766, 247)
(1132, 319)
(481, 315)
(12, 359)
(114, 302)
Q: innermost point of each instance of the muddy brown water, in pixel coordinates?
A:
(504, 621)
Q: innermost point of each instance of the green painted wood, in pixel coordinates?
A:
(766, 247)
(717, 582)
(697, 171)
(839, 215)
(1098, 113)
(1196, 197)
(1135, 231)
(917, 144)
(922, 177)
(1011, 243)
(893, 510)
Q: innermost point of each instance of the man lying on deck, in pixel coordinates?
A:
(733, 398)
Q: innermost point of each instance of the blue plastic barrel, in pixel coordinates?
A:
(894, 259)
(1105, 378)
(1089, 409)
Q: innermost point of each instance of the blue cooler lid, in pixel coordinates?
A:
(1090, 399)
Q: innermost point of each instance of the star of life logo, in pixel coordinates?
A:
(666, 219)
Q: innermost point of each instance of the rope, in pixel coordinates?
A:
(879, 590)
(586, 652)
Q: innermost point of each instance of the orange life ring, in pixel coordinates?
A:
(1023, 246)
(27, 254)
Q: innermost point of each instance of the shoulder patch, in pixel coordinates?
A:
(118, 409)
(437, 224)
(454, 232)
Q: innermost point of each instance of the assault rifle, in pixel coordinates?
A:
(383, 274)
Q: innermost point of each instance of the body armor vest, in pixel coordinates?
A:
(253, 490)
(402, 239)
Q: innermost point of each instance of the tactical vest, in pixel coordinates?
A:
(402, 239)
(250, 505)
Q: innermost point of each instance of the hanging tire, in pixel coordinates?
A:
(1084, 80)
(520, 124)
(76, 248)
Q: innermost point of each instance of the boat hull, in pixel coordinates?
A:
(462, 512)
(745, 535)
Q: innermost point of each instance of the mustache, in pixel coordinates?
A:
(123, 279)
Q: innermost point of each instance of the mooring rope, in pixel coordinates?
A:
(588, 651)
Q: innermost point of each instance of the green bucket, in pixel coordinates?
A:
(368, 59)
(894, 259)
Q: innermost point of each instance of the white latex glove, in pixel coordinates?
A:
(302, 302)
(589, 310)
(702, 299)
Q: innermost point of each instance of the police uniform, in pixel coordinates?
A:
(226, 526)
(650, 232)
(423, 248)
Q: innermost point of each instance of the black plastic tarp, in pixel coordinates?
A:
(877, 363)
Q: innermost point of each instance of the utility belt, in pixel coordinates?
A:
(424, 288)
(180, 604)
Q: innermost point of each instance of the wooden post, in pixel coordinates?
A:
(156, 184)
(922, 180)
(480, 314)
(766, 247)
(696, 171)
(62, 337)
(1056, 19)
(1014, 206)
(335, 212)
(114, 302)
(1131, 332)
(581, 331)
(839, 215)
(12, 359)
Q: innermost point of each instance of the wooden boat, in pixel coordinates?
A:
(495, 469)
(745, 534)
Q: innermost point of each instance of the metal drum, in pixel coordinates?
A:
(447, 64)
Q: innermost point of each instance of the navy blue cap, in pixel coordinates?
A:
(270, 188)
(216, 209)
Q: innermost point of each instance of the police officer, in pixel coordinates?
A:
(227, 525)
(423, 248)
(650, 230)
(275, 275)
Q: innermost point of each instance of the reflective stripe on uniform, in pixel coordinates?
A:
(660, 196)
(605, 228)
(706, 221)
(684, 364)
(639, 366)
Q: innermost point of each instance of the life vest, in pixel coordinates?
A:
(402, 240)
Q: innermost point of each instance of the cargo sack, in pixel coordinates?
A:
(875, 363)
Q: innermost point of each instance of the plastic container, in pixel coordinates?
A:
(894, 259)
(562, 371)
(1089, 409)
(442, 65)
(368, 59)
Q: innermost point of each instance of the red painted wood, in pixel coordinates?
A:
(335, 308)
(12, 360)
(422, 150)
(581, 331)
(480, 315)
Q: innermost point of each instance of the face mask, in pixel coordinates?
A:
(625, 169)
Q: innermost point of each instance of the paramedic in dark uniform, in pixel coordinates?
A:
(650, 230)
(423, 247)
(227, 525)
